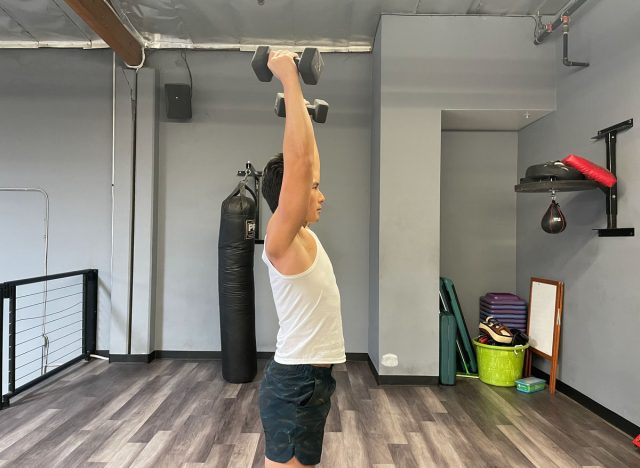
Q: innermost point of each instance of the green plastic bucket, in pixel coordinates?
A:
(500, 365)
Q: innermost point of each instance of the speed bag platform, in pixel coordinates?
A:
(235, 286)
(551, 170)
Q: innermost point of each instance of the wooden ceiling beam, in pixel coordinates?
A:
(101, 17)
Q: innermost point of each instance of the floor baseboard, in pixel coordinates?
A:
(402, 379)
(612, 418)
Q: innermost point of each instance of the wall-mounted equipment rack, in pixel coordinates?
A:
(610, 135)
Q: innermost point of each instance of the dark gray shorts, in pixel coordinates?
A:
(294, 403)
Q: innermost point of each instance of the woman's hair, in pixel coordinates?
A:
(272, 180)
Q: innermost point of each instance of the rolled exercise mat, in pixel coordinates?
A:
(448, 332)
(235, 286)
(450, 296)
(591, 170)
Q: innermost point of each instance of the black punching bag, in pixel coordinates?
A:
(553, 220)
(235, 286)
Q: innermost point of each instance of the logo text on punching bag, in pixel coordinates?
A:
(250, 229)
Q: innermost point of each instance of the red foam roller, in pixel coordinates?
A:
(591, 170)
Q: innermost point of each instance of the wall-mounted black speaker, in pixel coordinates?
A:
(178, 98)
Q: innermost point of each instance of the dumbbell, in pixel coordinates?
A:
(318, 111)
(309, 65)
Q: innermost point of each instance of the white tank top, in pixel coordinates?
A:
(308, 307)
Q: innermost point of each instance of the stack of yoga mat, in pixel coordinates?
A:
(506, 308)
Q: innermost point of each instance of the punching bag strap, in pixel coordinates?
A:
(240, 190)
(248, 189)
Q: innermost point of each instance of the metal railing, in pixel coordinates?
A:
(52, 324)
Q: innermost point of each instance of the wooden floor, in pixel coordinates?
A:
(174, 413)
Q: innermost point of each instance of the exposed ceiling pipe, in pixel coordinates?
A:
(565, 46)
(545, 29)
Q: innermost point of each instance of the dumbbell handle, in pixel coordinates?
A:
(310, 71)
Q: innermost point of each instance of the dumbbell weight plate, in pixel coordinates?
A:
(279, 108)
(310, 65)
(321, 110)
(259, 63)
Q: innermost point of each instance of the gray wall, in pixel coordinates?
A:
(478, 215)
(233, 122)
(601, 319)
(374, 206)
(493, 65)
(57, 134)
(135, 208)
(428, 66)
(55, 128)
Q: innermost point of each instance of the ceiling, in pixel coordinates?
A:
(332, 25)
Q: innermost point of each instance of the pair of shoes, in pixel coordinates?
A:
(497, 331)
(519, 337)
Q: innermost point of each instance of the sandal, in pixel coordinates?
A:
(498, 332)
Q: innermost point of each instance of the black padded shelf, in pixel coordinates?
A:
(557, 185)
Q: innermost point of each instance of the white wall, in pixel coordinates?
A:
(478, 215)
(601, 304)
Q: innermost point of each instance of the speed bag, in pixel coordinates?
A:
(553, 220)
(235, 286)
